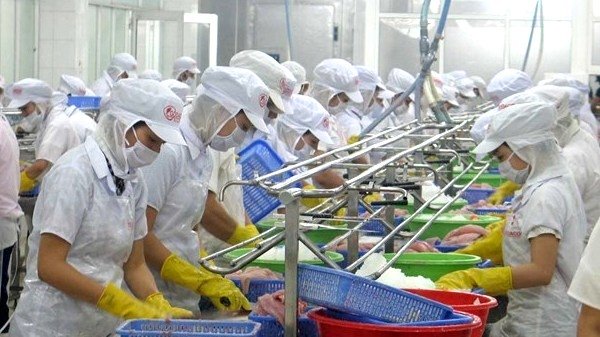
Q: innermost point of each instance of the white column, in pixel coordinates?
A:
(366, 33)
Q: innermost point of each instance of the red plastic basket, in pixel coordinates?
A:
(331, 327)
(462, 302)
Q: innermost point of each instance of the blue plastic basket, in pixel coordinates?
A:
(269, 327)
(344, 291)
(488, 211)
(85, 102)
(473, 195)
(259, 158)
(257, 288)
(378, 227)
(187, 328)
(448, 248)
(454, 319)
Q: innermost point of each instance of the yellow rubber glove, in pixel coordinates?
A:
(495, 281)
(372, 197)
(243, 233)
(489, 246)
(157, 300)
(505, 190)
(353, 139)
(27, 184)
(311, 202)
(119, 303)
(222, 292)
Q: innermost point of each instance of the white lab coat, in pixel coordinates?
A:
(550, 206)
(583, 158)
(349, 123)
(585, 287)
(103, 85)
(84, 125)
(177, 187)
(78, 203)
(55, 137)
(225, 168)
(10, 210)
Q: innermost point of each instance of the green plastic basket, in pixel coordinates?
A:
(319, 236)
(444, 224)
(279, 266)
(433, 265)
(458, 204)
(494, 180)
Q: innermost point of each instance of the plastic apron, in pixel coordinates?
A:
(180, 212)
(101, 246)
(538, 311)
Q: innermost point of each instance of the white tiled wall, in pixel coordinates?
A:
(62, 39)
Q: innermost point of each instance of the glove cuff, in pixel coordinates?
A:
(242, 233)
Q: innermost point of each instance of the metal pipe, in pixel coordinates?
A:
(292, 214)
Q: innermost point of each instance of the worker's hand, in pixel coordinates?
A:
(27, 184)
(489, 246)
(311, 202)
(158, 301)
(505, 190)
(495, 281)
(243, 233)
(372, 197)
(222, 292)
(353, 139)
(119, 303)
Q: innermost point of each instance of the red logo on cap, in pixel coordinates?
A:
(17, 91)
(262, 100)
(172, 114)
(503, 106)
(325, 123)
(356, 81)
(285, 88)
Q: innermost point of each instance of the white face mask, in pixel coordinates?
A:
(334, 110)
(224, 143)
(32, 122)
(269, 121)
(139, 154)
(510, 173)
(191, 82)
(305, 152)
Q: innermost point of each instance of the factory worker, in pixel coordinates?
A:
(449, 94)
(303, 130)
(578, 101)
(2, 97)
(219, 219)
(280, 82)
(121, 66)
(335, 84)
(586, 289)
(466, 93)
(89, 223)
(182, 90)
(578, 148)
(10, 211)
(545, 227)
(508, 82)
(151, 74)
(480, 89)
(185, 70)
(302, 85)
(230, 102)
(399, 81)
(72, 86)
(372, 89)
(56, 134)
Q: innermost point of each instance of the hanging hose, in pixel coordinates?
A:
(533, 22)
(541, 49)
(427, 60)
(289, 29)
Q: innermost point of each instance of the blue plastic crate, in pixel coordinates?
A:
(454, 319)
(187, 328)
(346, 292)
(257, 288)
(259, 158)
(473, 195)
(269, 327)
(85, 102)
(378, 227)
